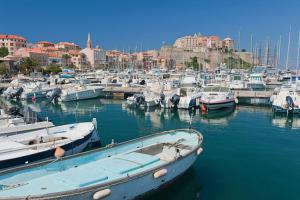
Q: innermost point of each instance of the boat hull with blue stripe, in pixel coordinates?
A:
(119, 171)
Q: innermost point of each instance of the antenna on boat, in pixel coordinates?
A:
(191, 118)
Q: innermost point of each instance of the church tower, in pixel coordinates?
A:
(89, 42)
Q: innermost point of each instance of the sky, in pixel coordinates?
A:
(142, 25)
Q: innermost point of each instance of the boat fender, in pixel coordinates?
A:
(236, 100)
(59, 152)
(199, 151)
(101, 194)
(203, 108)
(160, 173)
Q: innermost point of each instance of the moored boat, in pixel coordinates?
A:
(113, 172)
(286, 100)
(80, 92)
(216, 97)
(18, 148)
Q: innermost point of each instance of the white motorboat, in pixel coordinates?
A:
(35, 90)
(80, 92)
(20, 148)
(286, 100)
(10, 124)
(217, 97)
(256, 82)
(147, 99)
(237, 82)
(184, 97)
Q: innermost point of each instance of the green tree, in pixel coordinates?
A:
(236, 63)
(3, 52)
(3, 69)
(194, 63)
(67, 58)
(28, 65)
(52, 69)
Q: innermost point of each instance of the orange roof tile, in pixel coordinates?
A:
(3, 36)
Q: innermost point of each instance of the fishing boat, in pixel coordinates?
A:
(80, 92)
(216, 97)
(18, 148)
(119, 171)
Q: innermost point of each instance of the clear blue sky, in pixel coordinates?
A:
(125, 24)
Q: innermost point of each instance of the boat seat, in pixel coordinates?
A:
(118, 166)
(91, 176)
(127, 162)
(139, 158)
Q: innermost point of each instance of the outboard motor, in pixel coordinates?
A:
(192, 103)
(143, 82)
(17, 93)
(54, 94)
(162, 97)
(140, 99)
(14, 111)
(175, 99)
(290, 102)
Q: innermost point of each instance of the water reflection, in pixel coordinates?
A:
(282, 121)
(159, 116)
(219, 117)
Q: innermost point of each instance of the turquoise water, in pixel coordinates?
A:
(248, 153)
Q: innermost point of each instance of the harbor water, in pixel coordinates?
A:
(248, 153)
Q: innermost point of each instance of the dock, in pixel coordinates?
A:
(120, 92)
(253, 97)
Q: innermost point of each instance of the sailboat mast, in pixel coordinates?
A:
(279, 51)
(298, 51)
(288, 50)
(267, 52)
(252, 60)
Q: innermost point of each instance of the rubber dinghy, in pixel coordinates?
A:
(118, 171)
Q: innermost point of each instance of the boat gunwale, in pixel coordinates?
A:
(100, 186)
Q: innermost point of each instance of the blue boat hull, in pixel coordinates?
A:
(134, 187)
(122, 171)
(278, 109)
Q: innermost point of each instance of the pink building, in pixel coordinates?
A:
(67, 46)
(12, 42)
(34, 53)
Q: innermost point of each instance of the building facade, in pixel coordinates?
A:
(198, 42)
(12, 42)
(96, 57)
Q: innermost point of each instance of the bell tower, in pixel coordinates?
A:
(89, 42)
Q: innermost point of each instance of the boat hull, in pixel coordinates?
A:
(37, 94)
(278, 109)
(81, 95)
(127, 189)
(219, 105)
(70, 148)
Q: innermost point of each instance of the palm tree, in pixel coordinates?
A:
(66, 58)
